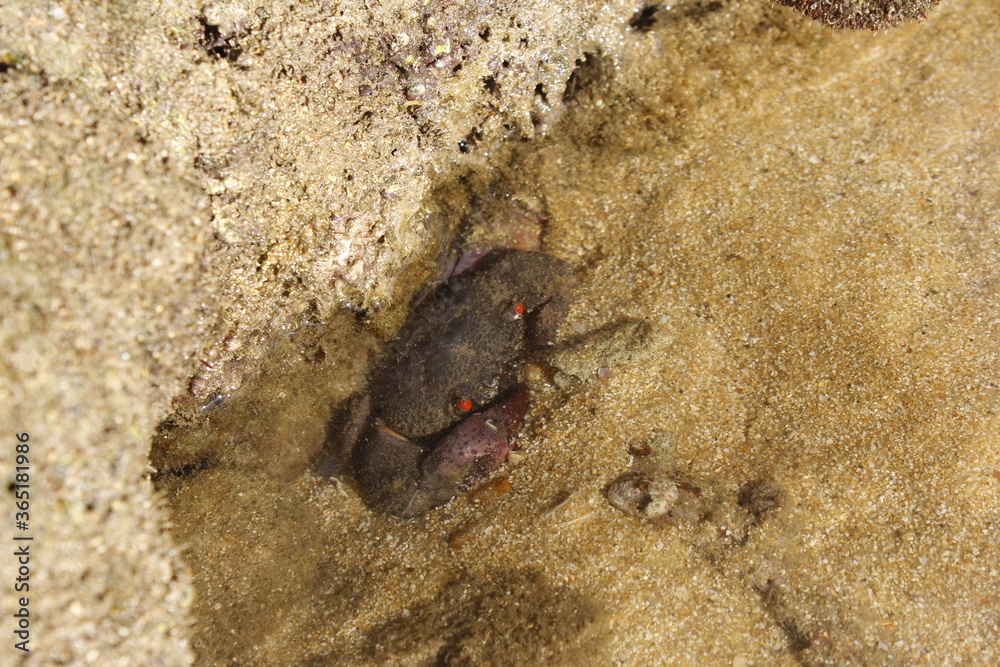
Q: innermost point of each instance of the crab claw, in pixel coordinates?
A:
(403, 479)
(386, 467)
(470, 452)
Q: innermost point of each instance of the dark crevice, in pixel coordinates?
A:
(586, 75)
(644, 19)
(540, 93)
(217, 46)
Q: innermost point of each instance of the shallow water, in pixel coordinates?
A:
(812, 218)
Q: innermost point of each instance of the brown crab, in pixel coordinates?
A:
(443, 410)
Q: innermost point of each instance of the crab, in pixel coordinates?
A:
(443, 410)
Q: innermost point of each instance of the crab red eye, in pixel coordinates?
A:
(463, 404)
(514, 310)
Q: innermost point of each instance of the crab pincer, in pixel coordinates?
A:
(404, 479)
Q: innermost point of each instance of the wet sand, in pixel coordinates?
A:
(819, 244)
(809, 217)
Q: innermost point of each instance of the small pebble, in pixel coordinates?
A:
(642, 496)
(515, 457)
